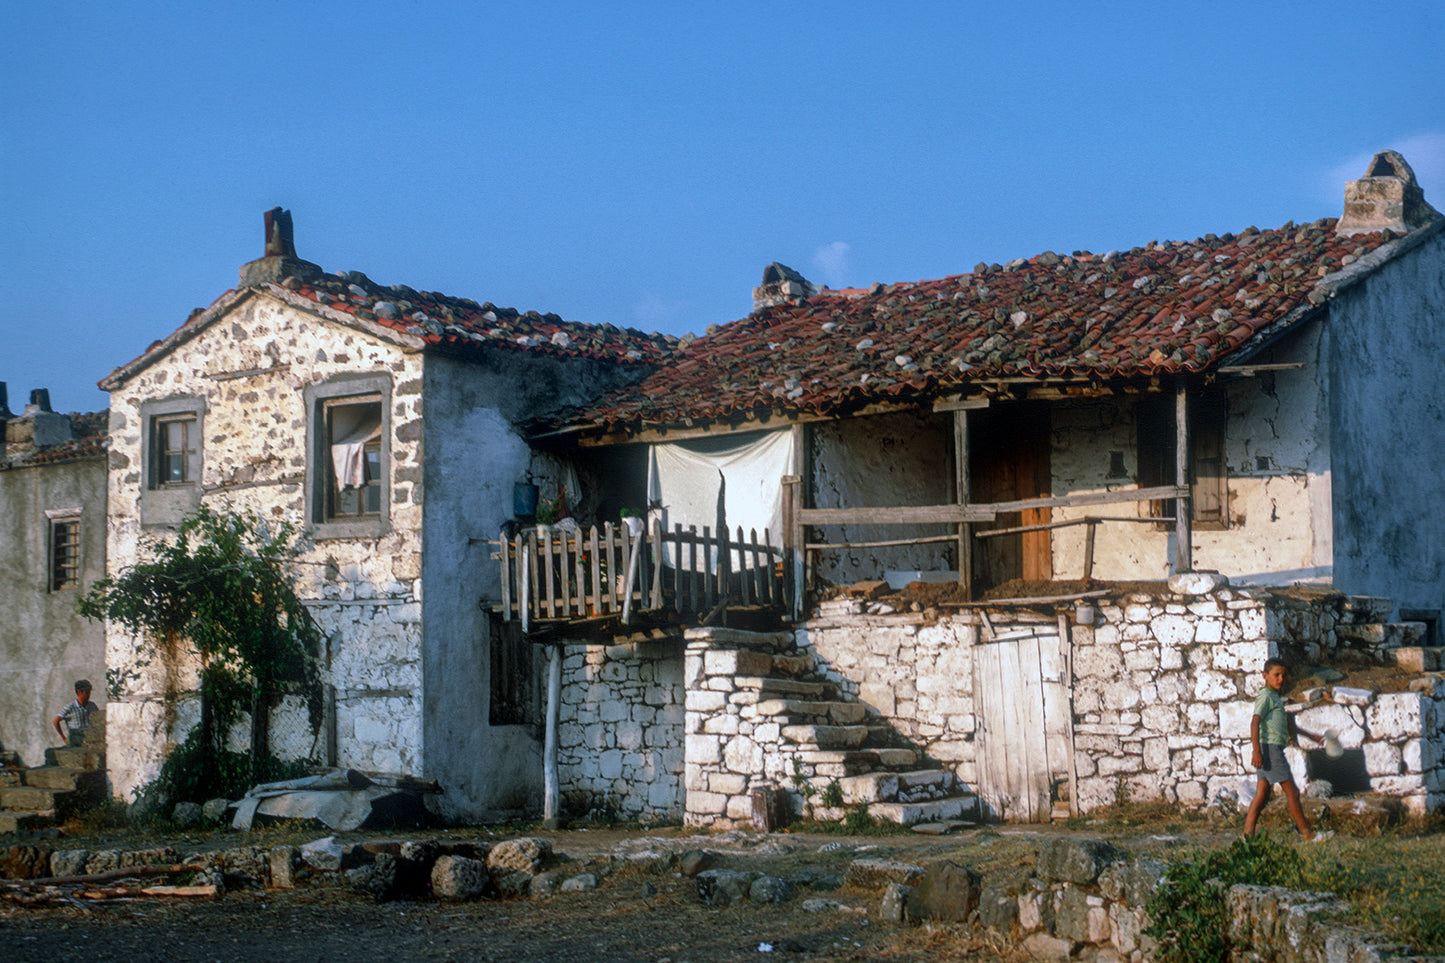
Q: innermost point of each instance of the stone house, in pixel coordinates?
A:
(381, 420)
(1060, 434)
(52, 523)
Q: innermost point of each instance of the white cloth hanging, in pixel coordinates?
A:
(352, 428)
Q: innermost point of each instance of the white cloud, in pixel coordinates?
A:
(832, 262)
(1424, 152)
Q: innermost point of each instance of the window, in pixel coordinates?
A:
(354, 464)
(172, 451)
(177, 452)
(1208, 477)
(348, 456)
(64, 549)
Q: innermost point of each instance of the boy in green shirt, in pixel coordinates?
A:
(1268, 732)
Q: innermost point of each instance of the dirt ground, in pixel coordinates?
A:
(643, 910)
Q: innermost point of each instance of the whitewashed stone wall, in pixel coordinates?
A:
(620, 731)
(1278, 486)
(898, 459)
(1163, 689)
(250, 368)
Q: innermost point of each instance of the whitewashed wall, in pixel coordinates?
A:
(876, 461)
(251, 367)
(1388, 425)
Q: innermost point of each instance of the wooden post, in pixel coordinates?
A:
(1089, 526)
(550, 791)
(1183, 506)
(506, 574)
(793, 539)
(963, 492)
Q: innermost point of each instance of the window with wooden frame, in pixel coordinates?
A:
(354, 462)
(175, 450)
(64, 551)
(1207, 475)
(348, 456)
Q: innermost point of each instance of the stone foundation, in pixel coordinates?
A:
(620, 730)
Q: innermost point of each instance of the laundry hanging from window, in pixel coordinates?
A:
(353, 428)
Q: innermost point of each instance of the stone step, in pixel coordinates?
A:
(800, 711)
(1367, 608)
(910, 814)
(31, 799)
(826, 737)
(1386, 635)
(86, 781)
(837, 764)
(16, 821)
(771, 688)
(77, 758)
(910, 786)
(718, 636)
(793, 666)
(1416, 658)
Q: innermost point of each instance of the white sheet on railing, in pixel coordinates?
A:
(737, 478)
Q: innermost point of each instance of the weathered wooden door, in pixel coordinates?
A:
(1009, 460)
(1020, 691)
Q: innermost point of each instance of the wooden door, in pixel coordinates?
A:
(1024, 739)
(1009, 460)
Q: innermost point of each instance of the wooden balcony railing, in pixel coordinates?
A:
(550, 575)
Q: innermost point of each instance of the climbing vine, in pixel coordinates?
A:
(223, 584)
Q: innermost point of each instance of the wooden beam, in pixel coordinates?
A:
(550, 786)
(960, 404)
(1183, 538)
(963, 491)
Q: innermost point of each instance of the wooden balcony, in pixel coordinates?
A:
(558, 580)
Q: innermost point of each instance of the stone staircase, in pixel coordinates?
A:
(810, 734)
(70, 780)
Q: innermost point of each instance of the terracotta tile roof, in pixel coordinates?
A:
(1163, 308)
(439, 319)
(91, 430)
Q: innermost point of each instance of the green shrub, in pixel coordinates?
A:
(1189, 912)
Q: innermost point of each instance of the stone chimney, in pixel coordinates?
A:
(279, 260)
(1386, 198)
(38, 426)
(781, 284)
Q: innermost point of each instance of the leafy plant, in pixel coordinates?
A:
(1189, 912)
(223, 585)
(833, 794)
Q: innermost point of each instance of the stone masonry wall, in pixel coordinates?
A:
(619, 735)
(250, 369)
(1163, 688)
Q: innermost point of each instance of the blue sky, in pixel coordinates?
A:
(641, 163)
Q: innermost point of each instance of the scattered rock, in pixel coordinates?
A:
(817, 905)
(1076, 860)
(187, 814)
(323, 854)
(945, 891)
(894, 906)
(459, 878)
(214, 810)
(1319, 789)
(526, 855)
(581, 883)
(68, 862)
(24, 862)
(769, 889)
(874, 874)
(544, 884)
(722, 887)
(695, 861)
(511, 884)
(282, 864)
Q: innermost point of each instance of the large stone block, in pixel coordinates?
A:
(1074, 860)
(946, 891)
(1395, 716)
